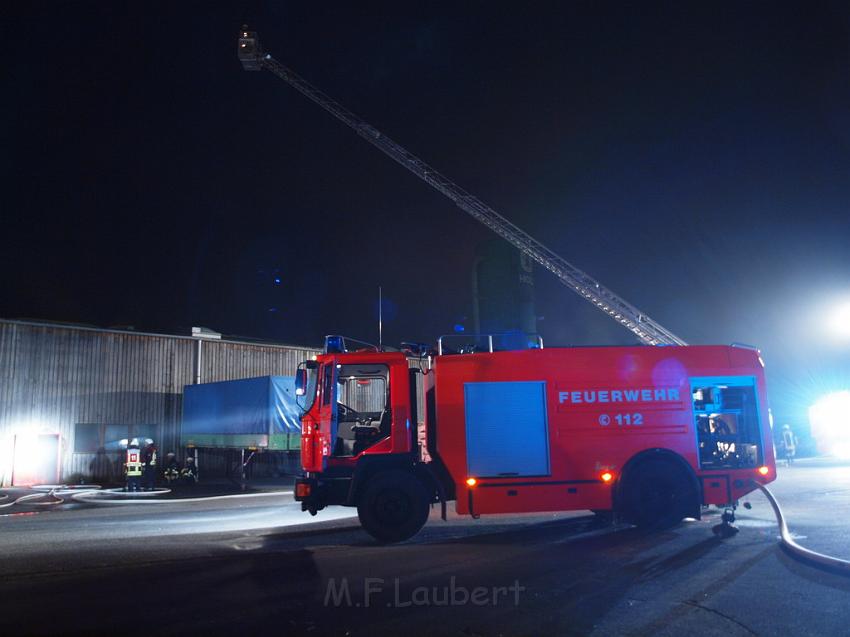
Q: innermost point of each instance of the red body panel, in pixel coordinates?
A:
(581, 448)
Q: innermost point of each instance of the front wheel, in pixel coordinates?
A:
(393, 506)
(658, 494)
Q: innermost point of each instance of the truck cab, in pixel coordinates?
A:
(360, 420)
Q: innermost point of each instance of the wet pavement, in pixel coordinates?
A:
(258, 563)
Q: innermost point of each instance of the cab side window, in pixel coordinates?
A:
(327, 383)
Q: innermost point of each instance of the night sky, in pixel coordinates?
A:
(695, 158)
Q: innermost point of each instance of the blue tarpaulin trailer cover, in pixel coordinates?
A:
(252, 412)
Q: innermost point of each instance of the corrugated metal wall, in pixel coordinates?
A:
(53, 376)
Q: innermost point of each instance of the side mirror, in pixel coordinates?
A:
(300, 382)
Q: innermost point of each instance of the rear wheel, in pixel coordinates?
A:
(658, 494)
(393, 506)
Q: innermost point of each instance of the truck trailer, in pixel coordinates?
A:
(248, 413)
(651, 434)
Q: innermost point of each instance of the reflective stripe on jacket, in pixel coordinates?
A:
(134, 463)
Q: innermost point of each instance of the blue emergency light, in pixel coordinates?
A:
(334, 345)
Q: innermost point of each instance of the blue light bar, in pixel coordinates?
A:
(334, 345)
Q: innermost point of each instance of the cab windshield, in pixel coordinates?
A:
(363, 415)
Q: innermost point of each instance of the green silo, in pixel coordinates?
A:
(503, 290)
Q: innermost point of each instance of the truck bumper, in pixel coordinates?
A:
(315, 494)
(307, 492)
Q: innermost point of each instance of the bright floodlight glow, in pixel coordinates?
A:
(830, 422)
(6, 448)
(841, 450)
(839, 321)
(26, 457)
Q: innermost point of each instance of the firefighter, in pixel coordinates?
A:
(133, 465)
(149, 462)
(189, 473)
(788, 444)
(171, 471)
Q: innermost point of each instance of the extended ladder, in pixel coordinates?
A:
(630, 317)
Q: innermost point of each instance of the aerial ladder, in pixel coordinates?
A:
(617, 308)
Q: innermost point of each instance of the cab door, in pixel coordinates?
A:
(327, 412)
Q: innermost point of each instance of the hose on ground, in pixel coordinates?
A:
(105, 497)
(123, 493)
(788, 543)
(31, 499)
(93, 494)
(64, 488)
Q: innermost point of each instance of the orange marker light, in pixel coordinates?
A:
(764, 471)
(302, 490)
(471, 482)
(607, 476)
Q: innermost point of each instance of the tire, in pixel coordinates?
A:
(393, 507)
(658, 494)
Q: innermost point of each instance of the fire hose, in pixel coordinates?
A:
(787, 541)
(93, 494)
(107, 497)
(53, 491)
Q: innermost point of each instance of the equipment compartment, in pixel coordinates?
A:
(727, 424)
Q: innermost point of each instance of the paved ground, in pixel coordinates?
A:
(230, 566)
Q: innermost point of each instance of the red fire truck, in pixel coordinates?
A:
(651, 433)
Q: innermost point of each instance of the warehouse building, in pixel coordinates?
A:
(69, 394)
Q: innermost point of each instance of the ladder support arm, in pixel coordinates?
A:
(617, 308)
